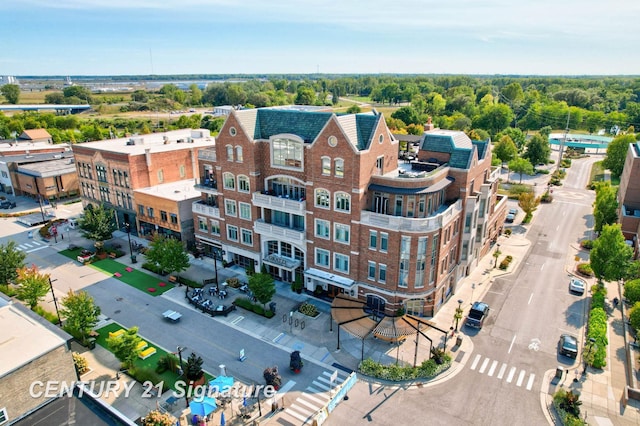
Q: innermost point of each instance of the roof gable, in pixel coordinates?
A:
(33, 134)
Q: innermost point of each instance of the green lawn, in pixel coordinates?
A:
(168, 377)
(136, 278)
(597, 174)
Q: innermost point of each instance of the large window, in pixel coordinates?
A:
(247, 237)
(243, 184)
(229, 153)
(341, 233)
(341, 262)
(343, 202)
(239, 156)
(229, 181)
(232, 232)
(339, 167)
(322, 198)
(245, 211)
(322, 257)
(323, 228)
(202, 224)
(230, 208)
(371, 275)
(101, 172)
(215, 227)
(326, 166)
(287, 153)
(373, 240)
(382, 273)
(384, 241)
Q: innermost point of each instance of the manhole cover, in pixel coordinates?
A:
(117, 312)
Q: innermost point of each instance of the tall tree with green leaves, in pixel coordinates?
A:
(168, 253)
(528, 202)
(97, 224)
(605, 208)
(12, 260)
(80, 313)
(521, 166)
(505, 149)
(538, 150)
(32, 285)
(11, 93)
(125, 347)
(617, 153)
(610, 255)
(263, 287)
(494, 118)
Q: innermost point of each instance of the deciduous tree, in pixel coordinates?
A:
(12, 260)
(32, 285)
(125, 346)
(263, 287)
(521, 166)
(617, 153)
(80, 312)
(528, 202)
(505, 149)
(605, 208)
(538, 150)
(11, 92)
(168, 253)
(610, 255)
(97, 224)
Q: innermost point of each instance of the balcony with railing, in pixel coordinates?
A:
(207, 184)
(399, 223)
(274, 231)
(207, 154)
(284, 203)
(206, 209)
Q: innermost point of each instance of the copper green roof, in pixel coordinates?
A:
(456, 143)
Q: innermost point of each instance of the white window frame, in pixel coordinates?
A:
(203, 226)
(4, 417)
(382, 270)
(229, 152)
(230, 208)
(326, 253)
(371, 267)
(232, 228)
(318, 193)
(326, 166)
(239, 155)
(337, 264)
(338, 232)
(243, 209)
(243, 233)
(342, 196)
(243, 184)
(325, 225)
(338, 167)
(215, 227)
(229, 181)
(384, 237)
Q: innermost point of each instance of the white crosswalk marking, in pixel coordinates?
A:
(502, 370)
(497, 369)
(484, 365)
(313, 398)
(475, 362)
(532, 377)
(492, 369)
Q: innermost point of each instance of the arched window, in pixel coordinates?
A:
(243, 183)
(343, 202)
(322, 198)
(326, 166)
(239, 157)
(229, 181)
(339, 167)
(229, 153)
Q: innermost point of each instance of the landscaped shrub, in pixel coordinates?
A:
(516, 189)
(542, 171)
(258, 309)
(567, 404)
(585, 269)
(504, 264)
(634, 317)
(142, 374)
(586, 244)
(233, 282)
(509, 258)
(632, 291)
(597, 299)
(597, 354)
(508, 231)
(427, 370)
(157, 418)
(167, 362)
(152, 267)
(49, 316)
(308, 309)
(80, 362)
(247, 304)
(188, 282)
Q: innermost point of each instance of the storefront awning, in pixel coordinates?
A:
(330, 278)
(281, 262)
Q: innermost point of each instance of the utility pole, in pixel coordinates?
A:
(55, 301)
(563, 141)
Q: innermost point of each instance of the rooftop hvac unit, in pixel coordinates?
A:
(180, 141)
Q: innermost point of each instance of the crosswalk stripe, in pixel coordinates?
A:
(502, 370)
(512, 371)
(295, 414)
(493, 368)
(484, 365)
(308, 404)
(313, 398)
(322, 386)
(530, 382)
(475, 362)
(520, 378)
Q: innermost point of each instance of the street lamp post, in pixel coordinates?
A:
(215, 267)
(128, 230)
(496, 254)
(180, 349)
(458, 313)
(55, 302)
(592, 341)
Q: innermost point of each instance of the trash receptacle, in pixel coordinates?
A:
(91, 343)
(559, 372)
(459, 341)
(134, 259)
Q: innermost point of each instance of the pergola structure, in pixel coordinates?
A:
(351, 314)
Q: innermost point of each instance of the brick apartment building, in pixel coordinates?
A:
(629, 197)
(116, 172)
(325, 198)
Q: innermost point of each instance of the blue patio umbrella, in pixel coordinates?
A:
(222, 420)
(202, 406)
(222, 383)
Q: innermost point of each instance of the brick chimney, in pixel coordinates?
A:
(429, 125)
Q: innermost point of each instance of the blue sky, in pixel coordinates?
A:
(118, 37)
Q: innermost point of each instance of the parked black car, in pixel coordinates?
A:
(477, 314)
(568, 346)
(6, 204)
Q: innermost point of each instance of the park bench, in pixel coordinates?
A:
(116, 333)
(173, 279)
(147, 353)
